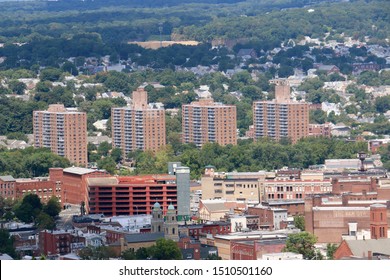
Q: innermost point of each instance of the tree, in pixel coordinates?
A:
(116, 154)
(301, 243)
(252, 92)
(330, 250)
(382, 104)
(96, 253)
(108, 164)
(50, 74)
(104, 148)
(70, 68)
(38, 164)
(17, 87)
(165, 249)
(6, 213)
(44, 221)
(18, 136)
(285, 71)
(142, 253)
(7, 243)
(299, 222)
(317, 116)
(29, 209)
(129, 254)
(52, 207)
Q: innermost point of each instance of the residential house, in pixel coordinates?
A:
(363, 249)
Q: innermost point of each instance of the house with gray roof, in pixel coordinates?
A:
(364, 249)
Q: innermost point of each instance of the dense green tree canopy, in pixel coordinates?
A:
(301, 243)
(248, 156)
(29, 162)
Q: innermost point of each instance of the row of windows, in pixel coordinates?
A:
(8, 185)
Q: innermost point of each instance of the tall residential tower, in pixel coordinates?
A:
(208, 121)
(64, 131)
(281, 117)
(140, 126)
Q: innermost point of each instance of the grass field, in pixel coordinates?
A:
(157, 44)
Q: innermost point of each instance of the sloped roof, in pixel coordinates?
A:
(361, 247)
(143, 237)
(216, 206)
(5, 257)
(244, 52)
(79, 170)
(7, 178)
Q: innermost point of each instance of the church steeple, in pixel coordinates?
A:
(157, 218)
(171, 230)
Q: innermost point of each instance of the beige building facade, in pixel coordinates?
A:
(64, 131)
(241, 186)
(253, 187)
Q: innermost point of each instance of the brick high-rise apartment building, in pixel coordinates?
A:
(63, 130)
(138, 127)
(281, 117)
(207, 121)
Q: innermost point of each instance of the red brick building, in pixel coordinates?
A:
(7, 187)
(269, 218)
(383, 188)
(294, 207)
(320, 130)
(254, 250)
(354, 185)
(45, 188)
(329, 218)
(187, 243)
(378, 221)
(375, 145)
(287, 189)
(73, 183)
(196, 231)
(59, 242)
(216, 228)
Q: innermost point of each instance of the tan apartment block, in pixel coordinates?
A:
(208, 121)
(64, 131)
(281, 117)
(138, 127)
